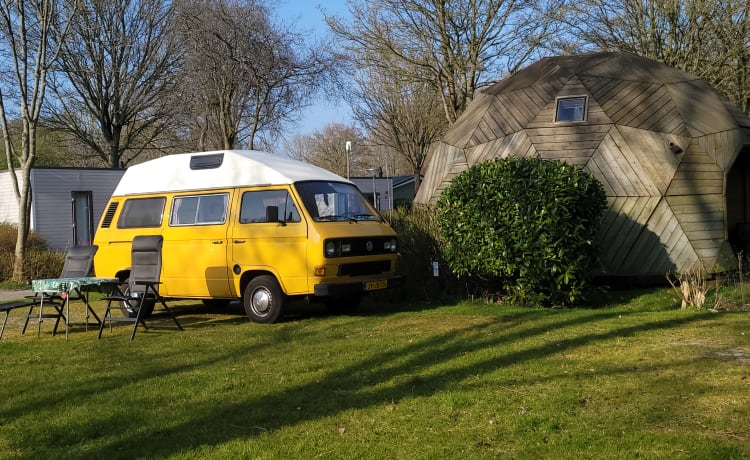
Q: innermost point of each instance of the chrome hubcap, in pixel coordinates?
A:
(261, 301)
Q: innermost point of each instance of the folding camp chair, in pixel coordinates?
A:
(79, 262)
(143, 286)
(7, 307)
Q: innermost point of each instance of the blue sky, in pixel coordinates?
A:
(307, 16)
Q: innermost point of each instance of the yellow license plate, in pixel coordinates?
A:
(375, 285)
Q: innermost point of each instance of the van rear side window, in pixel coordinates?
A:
(199, 209)
(142, 212)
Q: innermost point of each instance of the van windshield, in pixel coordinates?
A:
(335, 202)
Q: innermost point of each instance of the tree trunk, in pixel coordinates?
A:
(24, 218)
(115, 156)
(31, 26)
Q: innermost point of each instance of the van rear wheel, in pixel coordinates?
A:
(128, 310)
(263, 299)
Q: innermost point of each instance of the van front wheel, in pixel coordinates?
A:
(263, 299)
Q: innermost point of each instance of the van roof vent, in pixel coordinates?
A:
(212, 161)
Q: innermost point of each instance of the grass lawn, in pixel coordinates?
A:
(634, 378)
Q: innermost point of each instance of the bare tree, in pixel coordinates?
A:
(327, 149)
(710, 38)
(450, 45)
(405, 117)
(245, 75)
(116, 78)
(27, 32)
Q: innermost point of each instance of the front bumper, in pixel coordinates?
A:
(359, 286)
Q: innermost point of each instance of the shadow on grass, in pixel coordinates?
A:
(379, 378)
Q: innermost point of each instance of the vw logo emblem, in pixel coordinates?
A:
(369, 246)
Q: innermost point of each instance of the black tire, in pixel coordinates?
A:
(216, 303)
(344, 305)
(263, 300)
(129, 312)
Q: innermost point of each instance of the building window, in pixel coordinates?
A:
(571, 109)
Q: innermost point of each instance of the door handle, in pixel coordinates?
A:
(217, 242)
(238, 241)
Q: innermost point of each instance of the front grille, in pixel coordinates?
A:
(365, 268)
(363, 246)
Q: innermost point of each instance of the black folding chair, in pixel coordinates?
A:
(79, 262)
(142, 290)
(7, 307)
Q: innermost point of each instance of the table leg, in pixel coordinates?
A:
(90, 310)
(85, 296)
(39, 319)
(67, 314)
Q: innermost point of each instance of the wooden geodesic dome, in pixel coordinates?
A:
(672, 153)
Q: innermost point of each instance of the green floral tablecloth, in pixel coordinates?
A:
(70, 284)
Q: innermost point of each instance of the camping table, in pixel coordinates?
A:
(67, 286)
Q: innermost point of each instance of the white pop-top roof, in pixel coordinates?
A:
(238, 168)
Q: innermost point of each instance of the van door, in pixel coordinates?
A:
(195, 247)
(271, 236)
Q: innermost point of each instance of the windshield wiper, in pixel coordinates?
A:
(366, 217)
(336, 218)
(349, 217)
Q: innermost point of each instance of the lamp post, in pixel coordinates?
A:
(374, 192)
(348, 154)
(389, 181)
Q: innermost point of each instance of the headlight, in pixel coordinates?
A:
(330, 249)
(346, 247)
(390, 245)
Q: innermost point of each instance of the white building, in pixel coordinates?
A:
(66, 202)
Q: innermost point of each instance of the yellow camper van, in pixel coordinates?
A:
(242, 224)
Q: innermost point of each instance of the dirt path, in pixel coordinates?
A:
(6, 294)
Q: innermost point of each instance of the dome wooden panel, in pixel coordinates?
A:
(723, 147)
(702, 108)
(462, 131)
(644, 105)
(517, 144)
(636, 68)
(617, 167)
(660, 244)
(651, 151)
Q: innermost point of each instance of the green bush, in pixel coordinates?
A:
(8, 237)
(525, 224)
(6, 264)
(39, 262)
(417, 232)
(43, 264)
(36, 265)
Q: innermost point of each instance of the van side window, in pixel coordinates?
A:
(142, 212)
(199, 209)
(263, 206)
